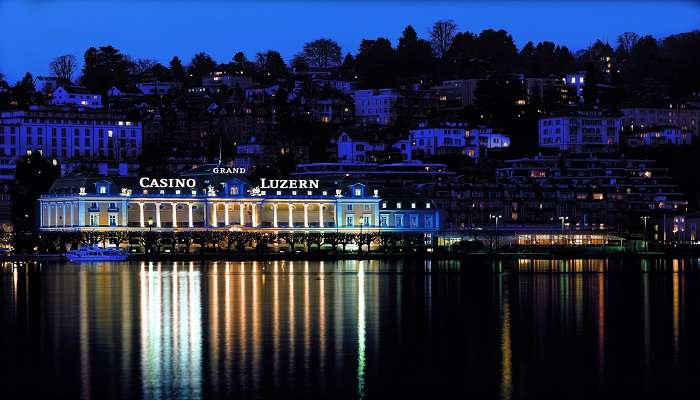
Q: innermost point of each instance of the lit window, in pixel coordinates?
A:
(398, 205)
(413, 205)
(427, 205)
(597, 196)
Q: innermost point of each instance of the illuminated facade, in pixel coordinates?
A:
(204, 199)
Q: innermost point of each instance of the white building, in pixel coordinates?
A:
(657, 136)
(484, 137)
(449, 138)
(377, 106)
(683, 116)
(46, 84)
(77, 96)
(583, 132)
(456, 138)
(68, 134)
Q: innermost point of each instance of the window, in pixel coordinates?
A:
(103, 189)
(349, 207)
(398, 220)
(429, 221)
(93, 219)
(358, 192)
(350, 220)
(112, 220)
(366, 220)
(414, 220)
(367, 207)
(597, 196)
(384, 220)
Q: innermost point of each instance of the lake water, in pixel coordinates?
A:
(350, 329)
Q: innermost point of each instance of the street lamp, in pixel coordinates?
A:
(644, 237)
(496, 217)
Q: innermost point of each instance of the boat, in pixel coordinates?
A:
(96, 253)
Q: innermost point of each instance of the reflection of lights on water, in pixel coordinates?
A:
(171, 337)
(506, 350)
(361, 333)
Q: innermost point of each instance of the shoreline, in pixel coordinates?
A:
(562, 255)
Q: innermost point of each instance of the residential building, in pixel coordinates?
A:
(377, 106)
(456, 94)
(156, 88)
(78, 96)
(656, 136)
(46, 84)
(575, 80)
(70, 134)
(360, 147)
(223, 78)
(580, 132)
(684, 116)
(441, 139)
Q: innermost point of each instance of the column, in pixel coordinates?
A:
(254, 214)
(226, 221)
(274, 215)
(291, 215)
(63, 209)
(174, 214)
(306, 215)
(320, 215)
(157, 215)
(241, 215)
(141, 219)
(213, 214)
(189, 215)
(56, 215)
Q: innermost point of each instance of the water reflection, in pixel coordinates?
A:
(351, 329)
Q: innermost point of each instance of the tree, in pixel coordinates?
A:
(442, 35)
(23, 91)
(33, 177)
(103, 68)
(376, 63)
(177, 69)
(626, 42)
(141, 65)
(414, 55)
(63, 66)
(270, 66)
(348, 69)
(321, 53)
(201, 65)
(240, 64)
(497, 49)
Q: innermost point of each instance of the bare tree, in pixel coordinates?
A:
(442, 35)
(64, 66)
(141, 65)
(627, 41)
(321, 53)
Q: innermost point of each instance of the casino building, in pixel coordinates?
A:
(212, 197)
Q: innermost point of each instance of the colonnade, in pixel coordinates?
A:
(211, 214)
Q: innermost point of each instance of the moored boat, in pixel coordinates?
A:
(96, 253)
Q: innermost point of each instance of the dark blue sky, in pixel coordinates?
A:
(35, 31)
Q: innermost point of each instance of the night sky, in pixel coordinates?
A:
(35, 31)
